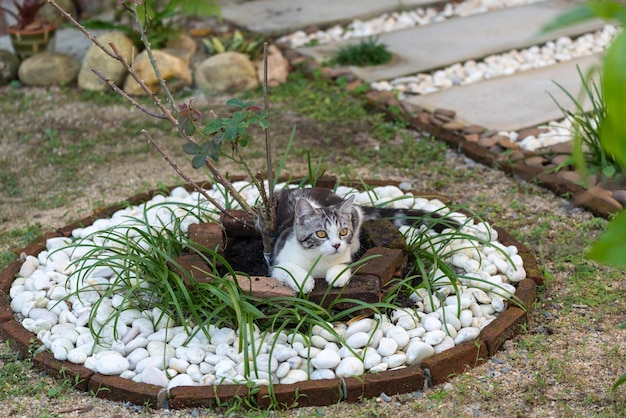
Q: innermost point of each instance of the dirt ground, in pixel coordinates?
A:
(63, 156)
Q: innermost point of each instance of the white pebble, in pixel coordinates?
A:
(326, 359)
(387, 346)
(434, 337)
(418, 351)
(112, 363)
(321, 374)
(154, 376)
(466, 334)
(294, 376)
(350, 366)
(180, 380)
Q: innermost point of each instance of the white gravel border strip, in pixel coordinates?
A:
(389, 22)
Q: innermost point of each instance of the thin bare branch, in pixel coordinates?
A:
(148, 46)
(187, 179)
(128, 98)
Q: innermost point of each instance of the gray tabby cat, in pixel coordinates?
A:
(318, 234)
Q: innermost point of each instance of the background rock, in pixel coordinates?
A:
(225, 72)
(173, 70)
(48, 69)
(277, 67)
(9, 64)
(96, 58)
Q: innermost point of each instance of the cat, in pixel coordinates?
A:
(318, 234)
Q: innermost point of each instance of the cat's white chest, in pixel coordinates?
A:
(311, 260)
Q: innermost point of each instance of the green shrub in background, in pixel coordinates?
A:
(590, 156)
(164, 19)
(367, 52)
(611, 247)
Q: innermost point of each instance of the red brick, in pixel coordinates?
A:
(115, 388)
(360, 287)
(207, 234)
(308, 393)
(7, 275)
(383, 263)
(507, 325)
(456, 360)
(533, 271)
(237, 223)
(392, 382)
(66, 231)
(78, 375)
(264, 287)
(527, 292)
(382, 233)
(507, 239)
(38, 245)
(207, 396)
(195, 265)
(6, 314)
(23, 341)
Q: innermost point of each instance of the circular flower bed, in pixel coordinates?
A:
(114, 302)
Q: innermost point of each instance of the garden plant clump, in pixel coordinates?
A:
(119, 302)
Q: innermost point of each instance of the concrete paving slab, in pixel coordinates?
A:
(518, 101)
(455, 40)
(274, 17)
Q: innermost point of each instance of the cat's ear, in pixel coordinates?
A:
(304, 208)
(347, 205)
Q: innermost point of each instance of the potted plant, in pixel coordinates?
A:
(29, 34)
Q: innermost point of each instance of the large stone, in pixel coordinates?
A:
(277, 67)
(9, 63)
(98, 59)
(226, 72)
(49, 69)
(173, 70)
(183, 46)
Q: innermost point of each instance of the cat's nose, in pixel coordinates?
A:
(337, 245)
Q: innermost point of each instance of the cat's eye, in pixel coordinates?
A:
(321, 234)
(343, 232)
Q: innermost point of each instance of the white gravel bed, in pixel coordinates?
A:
(147, 349)
(499, 65)
(389, 22)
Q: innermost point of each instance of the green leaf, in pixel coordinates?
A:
(236, 103)
(613, 130)
(608, 171)
(214, 126)
(230, 133)
(609, 10)
(611, 247)
(198, 161)
(619, 382)
(191, 148)
(571, 17)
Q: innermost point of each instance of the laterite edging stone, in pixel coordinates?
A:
(434, 370)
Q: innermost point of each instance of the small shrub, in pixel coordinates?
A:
(367, 52)
(589, 153)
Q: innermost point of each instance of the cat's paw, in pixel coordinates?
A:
(338, 275)
(295, 277)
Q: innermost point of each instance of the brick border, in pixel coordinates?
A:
(434, 370)
(454, 137)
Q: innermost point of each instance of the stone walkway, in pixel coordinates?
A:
(506, 103)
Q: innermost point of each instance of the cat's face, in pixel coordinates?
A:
(328, 230)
